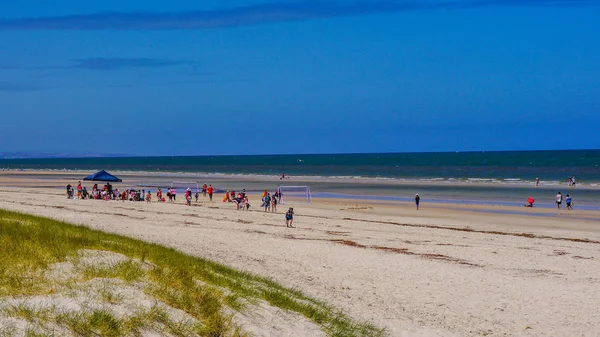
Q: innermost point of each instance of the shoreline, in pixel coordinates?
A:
(446, 181)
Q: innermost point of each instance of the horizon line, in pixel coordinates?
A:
(119, 156)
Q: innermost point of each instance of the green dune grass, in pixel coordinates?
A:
(204, 290)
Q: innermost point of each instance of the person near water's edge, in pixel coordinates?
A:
(569, 202)
(417, 200)
(558, 200)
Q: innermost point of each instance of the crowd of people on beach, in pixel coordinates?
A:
(106, 192)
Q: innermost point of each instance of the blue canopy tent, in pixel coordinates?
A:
(103, 176)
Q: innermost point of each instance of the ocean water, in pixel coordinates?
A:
(491, 167)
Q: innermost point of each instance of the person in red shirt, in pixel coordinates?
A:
(210, 191)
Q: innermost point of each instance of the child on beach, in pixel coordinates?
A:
(289, 218)
(267, 202)
(530, 202)
(148, 197)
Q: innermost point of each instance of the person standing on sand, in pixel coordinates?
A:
(289, 218)
(79, 190)
(274, 204)
(537, 182)
(210, 191)
(558, 200)
(174, 193)
(188, 197)
(417, 200)
(568, 202)
(267, 202)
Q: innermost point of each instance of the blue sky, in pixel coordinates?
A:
(253, 77)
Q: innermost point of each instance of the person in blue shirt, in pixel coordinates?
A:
(569, 202)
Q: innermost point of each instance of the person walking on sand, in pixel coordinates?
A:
(174, 193)
(417, 200)
(568, 202)
(289, 218)
(558, 200)
(210, 191)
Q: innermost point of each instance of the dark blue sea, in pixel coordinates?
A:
(509, 166)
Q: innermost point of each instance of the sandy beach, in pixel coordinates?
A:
(445, 270)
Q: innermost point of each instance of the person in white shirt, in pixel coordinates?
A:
(558, 200)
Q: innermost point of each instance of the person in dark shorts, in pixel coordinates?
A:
(69, 191)
(210, 191)
(558, 199)
(569, 202)
(289, 218)
(417, 200)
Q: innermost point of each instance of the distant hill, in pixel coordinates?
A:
(38, 155)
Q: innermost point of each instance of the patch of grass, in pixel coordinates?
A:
(27, 312)
(129, 271)
(33, 333)
(91, 323)
(109, 296)
(199, 287)
(7, 331)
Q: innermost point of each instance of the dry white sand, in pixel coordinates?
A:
(440, 271)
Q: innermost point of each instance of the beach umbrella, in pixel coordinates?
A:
(102, 176)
